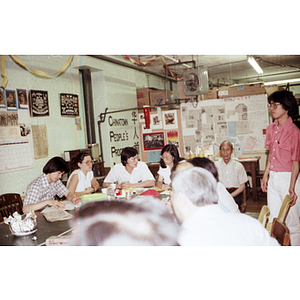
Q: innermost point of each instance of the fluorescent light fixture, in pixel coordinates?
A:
(282, 81)
(255, 65)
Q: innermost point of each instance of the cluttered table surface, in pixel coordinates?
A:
(54, 231)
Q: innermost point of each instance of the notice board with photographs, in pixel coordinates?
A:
(16, 143)
(165, 128)
(241, 120)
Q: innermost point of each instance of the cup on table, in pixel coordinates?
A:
(104, 191)
(113, 186)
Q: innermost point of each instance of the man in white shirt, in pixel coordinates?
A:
(194, 201)
(232, 174)
(131, 173)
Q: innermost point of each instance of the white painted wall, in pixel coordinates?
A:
(113, 87)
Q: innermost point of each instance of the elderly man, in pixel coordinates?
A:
(203, 223)
(232, 174)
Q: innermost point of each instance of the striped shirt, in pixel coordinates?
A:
(40, 190)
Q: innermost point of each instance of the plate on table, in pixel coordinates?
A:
(24, 233)
(93, 197)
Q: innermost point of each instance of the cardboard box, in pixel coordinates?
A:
(143, 96)
(161, 97)
(241, 90)
(180, 89)
(273, 88)
(212, 94)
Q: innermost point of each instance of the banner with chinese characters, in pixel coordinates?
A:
(124, 132)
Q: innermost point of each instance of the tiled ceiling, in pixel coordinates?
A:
(223, 69)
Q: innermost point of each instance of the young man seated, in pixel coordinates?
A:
(232, 174)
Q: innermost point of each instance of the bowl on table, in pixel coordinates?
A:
(23, 225)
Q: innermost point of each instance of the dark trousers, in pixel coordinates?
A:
(238, 199)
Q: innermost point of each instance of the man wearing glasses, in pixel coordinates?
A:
(131, 173)
(282, 170)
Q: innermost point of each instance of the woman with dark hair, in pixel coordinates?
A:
(131, 173)
(82, 180)
(42, 191)
(169, 159)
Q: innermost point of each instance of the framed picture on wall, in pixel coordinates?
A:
(69, 104)
(153, 141)
(11, 99)
(39, 106)
(2, 98)
(22, 98)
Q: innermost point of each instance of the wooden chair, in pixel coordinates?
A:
(283, 212)
(9, 203)
(280, 232)
(264, 215)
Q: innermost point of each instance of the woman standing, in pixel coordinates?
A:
(168, 162)
(82, 180)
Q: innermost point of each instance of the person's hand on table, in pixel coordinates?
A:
(126, 185)
(56, 204)
(76, 200)
(90, 190)
(165, 187)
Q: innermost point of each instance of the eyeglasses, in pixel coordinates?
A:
(169, 157)
(133, 158)
(274, 105)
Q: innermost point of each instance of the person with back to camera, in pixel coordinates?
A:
(169, 159)
(42, 191)
(131, 173)
(225, 199)
(82, 180)
(194, 200)
(232, 174)
(138, 222)
(281, 176)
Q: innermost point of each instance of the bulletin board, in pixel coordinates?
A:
(165, 128)
(241, 120)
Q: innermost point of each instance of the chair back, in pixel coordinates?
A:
(280, 232)
(284, 209)
(263, 216)
(9, 203)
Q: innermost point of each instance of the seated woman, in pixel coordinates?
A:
(131, 173)
(41, 191)
(82, 180)
(168, 162)
(225, 199)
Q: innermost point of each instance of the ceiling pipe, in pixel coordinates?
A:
(124, 64)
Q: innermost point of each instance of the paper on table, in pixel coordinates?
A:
(58, 215)
(69, 206)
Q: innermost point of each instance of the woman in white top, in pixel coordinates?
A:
(168, 162)
(82, 180)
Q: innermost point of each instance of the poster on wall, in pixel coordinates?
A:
(22, 98)
(153, 141)
(170, 119)
(11, 99)
(123, 131)
(39, 106)
(69, 105)
(2, 99)
(172, 137)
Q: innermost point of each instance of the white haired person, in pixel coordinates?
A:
(194, 200)
(140, 222)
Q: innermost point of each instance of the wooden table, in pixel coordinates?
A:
(251, 164)
(45, 229)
